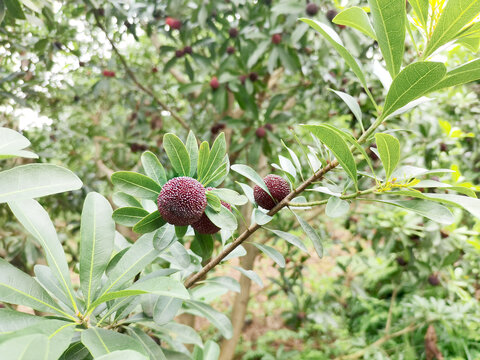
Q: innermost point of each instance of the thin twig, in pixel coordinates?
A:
(132, 76)
(390, 310)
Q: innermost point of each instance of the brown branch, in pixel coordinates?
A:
(132, 76)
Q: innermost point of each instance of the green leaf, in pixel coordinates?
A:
(389, 151)
(12, 321)
(332, 37)
(96, 243)
(413, 82)
(153, 168)
(211, 351)
(357, 18)
(149, 223)
(37, 222)
(215, 159)
(16, 287)
(428, 209)
(36, 180)
(214, 202)
(352, 104)
(203, 155)
(165, 309)
(27, 347)
(252, 275)
(137, 257)
(312, 235)
(49, 281)
(250, 174)
(122, 199)
(219, 175)
(123, 354)
(224, 282)
(136, 184)
(163, 286)
(224, 219)
(150, 346)
(260, 217)
(257, 54)
(14, 8)
(192, 148)
(219, 320)
(11, 142)
(290, 238)
(164, 237)
(180, 333)
(389, 24)
(102, 342)
(455, 16)
(230, 196)
(129, 216)
(273, 254)
(421, 10)
(460, 75)
(336, 207)
(338, 146)
(2, 10)
(177, 153)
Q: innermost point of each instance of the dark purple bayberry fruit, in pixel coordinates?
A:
(179, 53)
(214, 84)
(187, 50)
(233, 32)
(230, 50)
(276, 38)
(331, 14)
(205, 225)
(401, 261)
(433, 280)
(182, 201)
(277, 186)
(269, 127)
(260, 132)
(253, 76)
(312, 9)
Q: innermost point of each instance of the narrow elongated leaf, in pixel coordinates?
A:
(29, 347)
(180, 333)
(37, 222)
(290, 238)
(11, 141)
(129, 216)
(165, 309)
(259, 51)
(215, 158)
(151, 347)
(312, 235)
(177, 153)
(421, 11)
(389, 150)
(219, 320)
(164, 237)
(273, 254)
(214, 201)
(230, 196)
(16, 287)
(153, 168)
(252, 275)
(455, 16)
(389, 24)
(36, 180)
(192, 148)
(96, 243)
(203, 155)
(123, 354)
(137, 257)
(338, 146)
(122, 199)
(49, 281)
(428, 209)
(149, 223)
(413, 82)
(260, 217)
(211, 351)
(14, 8)
(352, 105)
(13, 321)
(461, 75)
(224, 282)
(135, 184)
(250, 174)
(336, 207)
(102, 342)
(357, 18)
(332, 37)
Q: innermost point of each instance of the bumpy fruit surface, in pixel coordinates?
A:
(182, 201)
(312, 9)
(204, 225)
(277, 186)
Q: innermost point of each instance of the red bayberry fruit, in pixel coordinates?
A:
(276, 38)
(233, 32)
(230, 50)
(253, 76)
(312, 9)
(205, 225)
(182, 201)
(242, 79)
(187, 50)
(260, 132)
(433, 280)
(214, 84)
(179, 53)
(269, 127)
(277, 186)
(331, 14)
(108, 73)
(154, 70)
(173, 23)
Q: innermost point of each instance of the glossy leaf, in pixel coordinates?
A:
(36, 180)
(102, 342)
(215, 159)
(123, 354)
(312, 235)
(122, 199)
(177, 153)
(290, 238)
(153, 168)
(219, 320)
(389, 150)
(455, 16)
(151, 347)
(413, 82)
(149, 223)
(352, 104)
(96, 243)
(165, 309)
(135, 184)
(129, 216)
(224, 219)
(336, 207)
(428, 209)
(421, 10)
(357, 18)
(252, 275)
(230, 196)
(273, 254)
(192, 149)
(164, 237)
(12, 143)
(461, 75)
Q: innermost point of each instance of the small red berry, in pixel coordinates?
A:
(179, 53)
(154, 70)
(331, 14)
(278, 187)
(253, 76)
(173, 23)
(269, 127)
(205, 225)
(187, 50)
(312, 9)
(214, 84)
(233, 32)
(230, 50)
(260, 132)
(276, 38)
